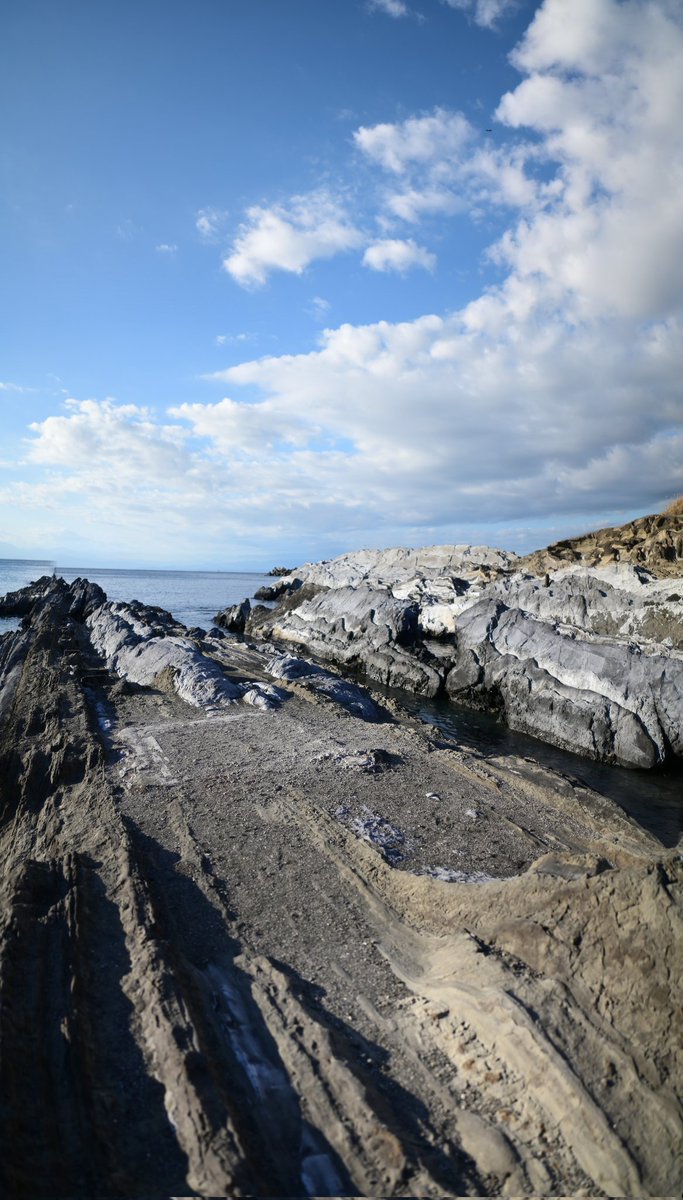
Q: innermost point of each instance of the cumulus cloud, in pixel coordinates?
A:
(440, 135)
(604, 91)
(392, 254)
(289, 237)
(442, 167)
(96, 434)
(166, 248)
(484, 12)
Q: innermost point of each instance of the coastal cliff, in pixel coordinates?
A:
(580, 645)
(261, 935)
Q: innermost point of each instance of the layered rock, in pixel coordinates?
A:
(654, 542)
(588, 657)
(602, 697)
(140, 643)
(231, 965)
(358, 628)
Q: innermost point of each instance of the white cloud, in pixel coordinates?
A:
(605, 93)
(95, 434)
(444, 169)
(484, 12)
(441, 135)
(166, 248)
(210, 223)
(553, 397)
(12, 387)
(393, 8)
(413, 203)
(289, 237)
(392, 254)
(226, 339)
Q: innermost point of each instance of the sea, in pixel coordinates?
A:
(653, 798)
(193, 597)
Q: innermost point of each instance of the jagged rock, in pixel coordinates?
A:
(296, 670)
(234, 619)
(409, 573)
(273, 591)
(599, 697)
(586, 656)
(356, 627)
(655, 542)
(81, 596)
(144, 645)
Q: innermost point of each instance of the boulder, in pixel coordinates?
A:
(234, 619)
(144, 645)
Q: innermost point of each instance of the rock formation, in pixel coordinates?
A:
(305, 949)
(580, 645)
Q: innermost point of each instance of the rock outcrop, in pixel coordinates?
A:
(292, 951)
(654, 542)
(580, 645)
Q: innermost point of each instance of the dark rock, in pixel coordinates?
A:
(275, 590)
(234, 619)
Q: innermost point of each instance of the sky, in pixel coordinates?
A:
(287, 278)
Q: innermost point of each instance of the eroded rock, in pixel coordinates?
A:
(580, 645)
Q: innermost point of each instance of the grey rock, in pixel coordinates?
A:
(144, 646)
(273, 591)
(407, 572)
(601, 697)
(234, 619)
(296, 670)
(589, 658)
(357, 627)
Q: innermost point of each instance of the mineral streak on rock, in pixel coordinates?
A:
(580, 645)
(295, 951)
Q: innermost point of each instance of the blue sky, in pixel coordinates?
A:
(282, 278)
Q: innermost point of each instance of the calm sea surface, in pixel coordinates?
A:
(194, 597)
(654, 799)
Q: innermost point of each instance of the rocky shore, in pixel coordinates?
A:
(262, 936)
(580, 645)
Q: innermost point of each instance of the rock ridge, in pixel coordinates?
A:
(580, 645)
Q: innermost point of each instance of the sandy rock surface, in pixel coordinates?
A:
(305, 950)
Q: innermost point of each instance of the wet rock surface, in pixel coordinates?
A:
(293, 951)
(580, 645)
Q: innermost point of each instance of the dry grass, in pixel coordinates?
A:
(675, 509)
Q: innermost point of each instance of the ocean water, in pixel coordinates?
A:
(16, 573)
(194, 597)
